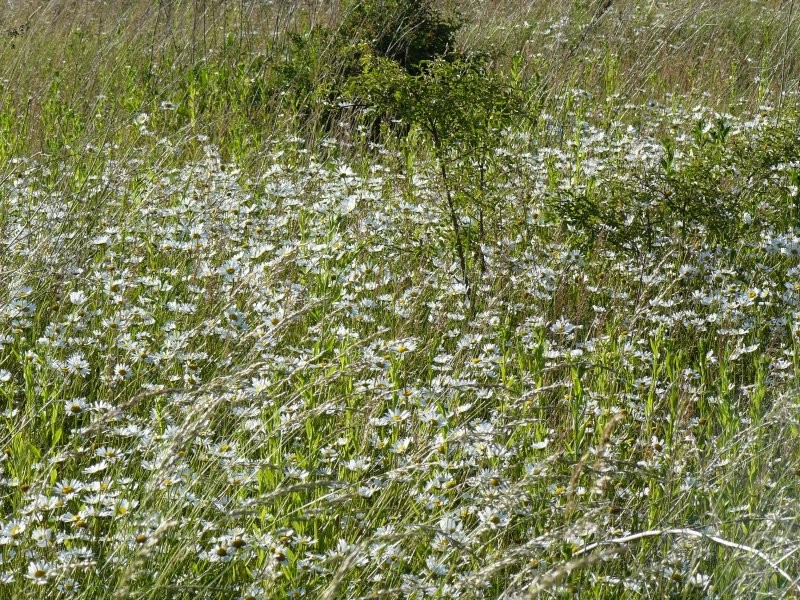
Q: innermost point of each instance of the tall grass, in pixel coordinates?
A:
(237, 354)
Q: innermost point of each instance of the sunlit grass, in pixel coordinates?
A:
(238, 357)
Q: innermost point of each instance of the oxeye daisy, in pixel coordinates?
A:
(402, 445)
(404, 347)
(13, 530)
(395, 416)
(68, 489)
(75, 406)
(436, 567)
(141, 538)
(237, 539)
(230, 269)
(76, 364)
(441, 543)
(280, 555)
(494, 518)
(68, 586)
(220, 552)
(253, 592)
(235, 318)
(123, 507)
(108, 453)
(122, 371)
(78, 298)
(42, 536)
(40, 572)
(275, 318)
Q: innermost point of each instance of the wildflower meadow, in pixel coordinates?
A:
(399, 299)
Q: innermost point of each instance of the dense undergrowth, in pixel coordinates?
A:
(288, 312)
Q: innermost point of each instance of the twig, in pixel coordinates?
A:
(546, 581)
(601, 10)
(693, 534)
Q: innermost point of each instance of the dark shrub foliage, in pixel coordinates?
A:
(409, 32)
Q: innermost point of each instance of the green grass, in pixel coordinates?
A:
(254, 346)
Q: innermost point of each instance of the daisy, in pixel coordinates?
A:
(39, 572)
(75, 406)
(68, 489)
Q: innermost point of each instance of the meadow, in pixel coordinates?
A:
(400, 299)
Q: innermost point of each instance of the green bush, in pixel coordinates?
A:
(409, 32)
(306, 75)
(702, 187)
(460, 109)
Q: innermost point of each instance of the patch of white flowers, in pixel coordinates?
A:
(272, 383)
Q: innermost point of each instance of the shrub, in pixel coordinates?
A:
(697, 186)
(410, 32)
(461, 108)
(314, 67)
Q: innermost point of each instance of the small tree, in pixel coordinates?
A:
(461, 107)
